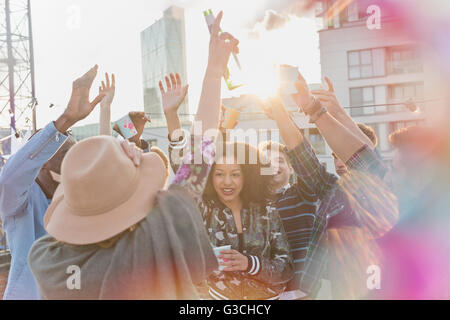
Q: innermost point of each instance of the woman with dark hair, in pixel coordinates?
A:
(237, 213)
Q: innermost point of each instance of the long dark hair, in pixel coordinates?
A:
(256, 185)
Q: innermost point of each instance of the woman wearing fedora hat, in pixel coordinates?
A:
(113, 232)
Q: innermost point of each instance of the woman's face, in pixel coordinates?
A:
(228, 181)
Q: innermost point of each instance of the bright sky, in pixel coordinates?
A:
(71, 36)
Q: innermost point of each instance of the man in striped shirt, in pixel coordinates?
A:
(296, 210)
(315, 203)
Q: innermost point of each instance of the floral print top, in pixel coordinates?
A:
(192, 174)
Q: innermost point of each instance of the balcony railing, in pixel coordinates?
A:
(404, 67)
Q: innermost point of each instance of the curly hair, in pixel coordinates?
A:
(256, 187)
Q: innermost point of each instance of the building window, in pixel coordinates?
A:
(403, 92)
(402, 60)
(360, 97)
(366, 63)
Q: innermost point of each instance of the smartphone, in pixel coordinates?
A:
(126, 127)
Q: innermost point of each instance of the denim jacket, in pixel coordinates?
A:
(23, 205)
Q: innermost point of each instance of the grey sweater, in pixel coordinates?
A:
(163, 258)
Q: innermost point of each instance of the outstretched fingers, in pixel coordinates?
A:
(97, 99)
(108, 84)
(178, 78)
(330, 84)
(216, 26)
(88, 78)
(161, 88)
(173, 81)
(168, 84)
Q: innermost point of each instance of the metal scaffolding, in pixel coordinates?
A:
(17, 87)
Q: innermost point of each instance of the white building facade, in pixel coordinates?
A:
(377, 67)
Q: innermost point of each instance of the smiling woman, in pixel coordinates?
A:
(236, 177)
(238, 214)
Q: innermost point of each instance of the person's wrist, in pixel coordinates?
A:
(105, 105)
(214, 72)
(171, 113)
(64, 122)
(136, 140)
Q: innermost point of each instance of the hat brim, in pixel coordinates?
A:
(64, 224)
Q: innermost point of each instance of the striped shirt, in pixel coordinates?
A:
(297, 212)
(363, 184)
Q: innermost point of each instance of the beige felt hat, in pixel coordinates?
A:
(102, 192)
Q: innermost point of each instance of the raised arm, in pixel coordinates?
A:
(108, 90)
(139, 120)
(172, 98)
(329, 100)
(340, 139)
(22, 168)
(220, 47)
(192, 173)
(312, 177)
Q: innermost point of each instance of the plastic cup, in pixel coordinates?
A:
(288, 77)
(231, 117)
(217, 251)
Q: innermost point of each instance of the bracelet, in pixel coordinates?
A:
(313, 118)
(176, 140)
(314, 107)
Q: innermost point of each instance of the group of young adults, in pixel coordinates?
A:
(106, 224)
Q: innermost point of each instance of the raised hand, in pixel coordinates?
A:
(108, 90)
(139, 120)
(328, 99)
(173, 97)
(221, 45)
(303, 96)
(79, 106)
